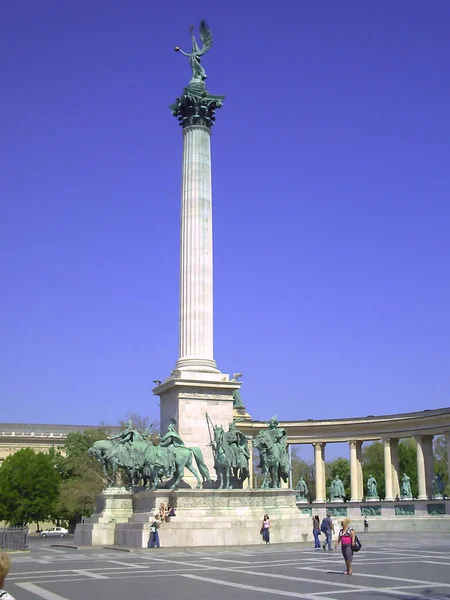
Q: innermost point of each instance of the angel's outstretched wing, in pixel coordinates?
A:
(205, 36)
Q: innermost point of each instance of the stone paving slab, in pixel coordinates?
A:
(403, 567)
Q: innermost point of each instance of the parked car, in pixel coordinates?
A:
(54, 531)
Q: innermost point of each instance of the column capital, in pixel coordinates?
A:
(196, 107)
(319, 444)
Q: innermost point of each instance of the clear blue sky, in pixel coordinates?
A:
(331, 178)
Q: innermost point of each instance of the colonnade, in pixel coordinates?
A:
(425, 468)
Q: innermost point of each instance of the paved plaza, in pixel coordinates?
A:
(397, 566)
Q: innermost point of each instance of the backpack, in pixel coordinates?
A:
(325, 525)
(356, 547)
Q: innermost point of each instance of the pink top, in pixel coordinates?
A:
(346, 538)
(266, 524)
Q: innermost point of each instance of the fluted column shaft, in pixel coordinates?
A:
(319, 463)
(196, 274)
(356, 492)
(447, 438)
(388, 469)
(421, 469)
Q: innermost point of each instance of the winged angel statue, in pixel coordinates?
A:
(198, 72)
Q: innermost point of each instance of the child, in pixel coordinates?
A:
(5, 564)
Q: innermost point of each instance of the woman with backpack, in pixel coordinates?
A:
(347, 540)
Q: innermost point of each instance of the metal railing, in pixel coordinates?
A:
(14, 538)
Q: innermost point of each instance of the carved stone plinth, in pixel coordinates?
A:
(340, 500)
(114, 505)
(372, 499)
(406, 498)
(437, 497)
(216, 518)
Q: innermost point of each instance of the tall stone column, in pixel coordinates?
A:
(388, 469)
(356, 492)
(319, 463)
(395, 468)
(196, 387)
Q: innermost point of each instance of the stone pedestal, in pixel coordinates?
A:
(437, 497)
(372, 499)
(337, 500)
(114, 505)
(216, 518)
(187, 397)
(406, 498)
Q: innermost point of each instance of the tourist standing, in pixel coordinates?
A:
(346, 539)
(265, 529)
(366, 525)
(316, 531)
(5, 564)
(153, 542)
(327, 528)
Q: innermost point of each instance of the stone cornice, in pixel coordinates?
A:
(427, 422)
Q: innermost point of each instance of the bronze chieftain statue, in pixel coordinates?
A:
(231, 455)
(140, 459)
(274, 459)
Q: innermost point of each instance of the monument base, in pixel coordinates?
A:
(437, 497)
(373, 499)
(114, 505)
(407, 498)
(215, 518)
(339, 500)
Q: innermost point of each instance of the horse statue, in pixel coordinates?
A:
(158, 459)
(274, 462)
(111, 459)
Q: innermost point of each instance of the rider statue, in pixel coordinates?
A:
(126, 437)
(239, 445)
(171, 440)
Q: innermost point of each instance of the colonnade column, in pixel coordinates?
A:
(395, 468)
(319, 464)
(355, 477)
(447, 438)
(250, 466)
(388, 469)
(421, 468)
(360, 469)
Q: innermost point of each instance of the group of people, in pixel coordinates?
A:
(347, 538)
(162, 516)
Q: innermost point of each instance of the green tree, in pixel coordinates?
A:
(28, 487)
(81, 476)
(340, 468)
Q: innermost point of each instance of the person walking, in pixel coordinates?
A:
(366, 525)
(347, 539)
(327, 528)
(5, 564)
(153, 542)
(316, 531)
(265, 529)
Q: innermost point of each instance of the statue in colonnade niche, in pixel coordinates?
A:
(274, 459)
(372, 491)
(337, 490)
(405, 487)
(437, 486)
(302, 490)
